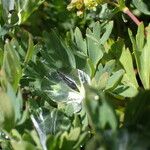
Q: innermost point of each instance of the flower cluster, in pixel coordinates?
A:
(81, 5)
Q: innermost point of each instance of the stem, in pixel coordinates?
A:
(112, 3)
(132, 16)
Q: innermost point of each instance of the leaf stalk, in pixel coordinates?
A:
(132, 16)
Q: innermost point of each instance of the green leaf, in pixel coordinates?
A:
(11, 65)
(116, 49)
(140, 37)
(3, 31)
(100, 111)
(53, 141)
(58, 54)
(107, 13)
(94, 47)
(17, 102)
(65, 88)
(90, 68)
(145, 64)
(142, 6)
(107, 116)
(74, 134)
(101, 82)
(127, 62)
(30, 50)
(22, 9)
(7, 112)
(49, 123)
(102, 74)
(137, 111)
(35, 137)
(82, 139)
(11, 108)
(16, 134)
(97, 30)
(8, 6)
(1, 57)
(121, 139)
(141, 52)
(80, 42)
(114, 80)
(125, 90)
(22, 145)
(107, 33)
(26, 8)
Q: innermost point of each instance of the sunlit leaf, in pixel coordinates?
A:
(22, 145)
(126, 61)
(11, 65)
(11, 108)
(65, 88)
(7, 113)
(141, 52)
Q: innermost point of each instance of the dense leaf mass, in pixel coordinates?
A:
(74, 75)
